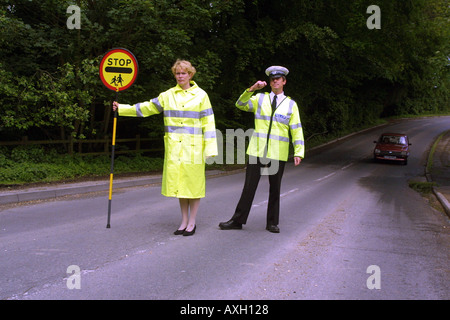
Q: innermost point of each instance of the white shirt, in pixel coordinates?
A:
(280, 97)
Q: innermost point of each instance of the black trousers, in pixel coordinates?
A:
(275, 171)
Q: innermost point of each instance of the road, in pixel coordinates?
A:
(350, 229)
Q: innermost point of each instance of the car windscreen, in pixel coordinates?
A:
(393, 139)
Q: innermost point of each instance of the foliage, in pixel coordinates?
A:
(34, 164)
(343, 75)
(422, 187)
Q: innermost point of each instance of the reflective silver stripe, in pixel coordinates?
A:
(260, 117)
(291, 106)
(299, 142)
(260, 135)
(272, 136)
(157, 104)
(182, 114)
(259, 108)
(138, 110)
(296, 126)
(280, 118)
(284, 119)
(210, 134)
(249, 103)
(183, 130)
(242, 104)
(279, 138)
(188, 114)
(261, 100)
(206, 112)
(250, 106)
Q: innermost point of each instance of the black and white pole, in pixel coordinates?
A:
(111, 175)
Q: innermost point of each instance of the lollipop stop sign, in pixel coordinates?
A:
(118, 69)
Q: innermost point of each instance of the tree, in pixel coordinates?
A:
(343, 75)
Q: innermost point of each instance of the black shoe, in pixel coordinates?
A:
(179, 232)
(189, 233)
(273, 228)
(229, 225)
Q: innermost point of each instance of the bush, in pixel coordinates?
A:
(35, 164)
(4, 158)
(422, 187)
(27, 153)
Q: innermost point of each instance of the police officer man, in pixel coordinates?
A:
(276, 115)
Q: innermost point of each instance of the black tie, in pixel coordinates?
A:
(274, 103)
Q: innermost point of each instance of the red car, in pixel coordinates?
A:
(392, 146)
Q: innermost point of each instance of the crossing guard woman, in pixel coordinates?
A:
(190, 137)
(276, 116)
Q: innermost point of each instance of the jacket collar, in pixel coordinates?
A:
(192, 89)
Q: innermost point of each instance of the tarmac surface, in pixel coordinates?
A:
(439, 173)
(353, 213)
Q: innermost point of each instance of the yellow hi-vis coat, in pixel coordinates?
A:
(271, 135)
(190, 137)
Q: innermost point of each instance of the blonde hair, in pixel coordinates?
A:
(185, 65)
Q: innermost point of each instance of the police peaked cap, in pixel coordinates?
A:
(277, 71)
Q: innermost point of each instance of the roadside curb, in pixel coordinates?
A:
(442, 199)
(45, 193)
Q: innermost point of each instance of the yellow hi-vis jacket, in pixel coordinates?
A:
(271, 136)
(190, 137)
